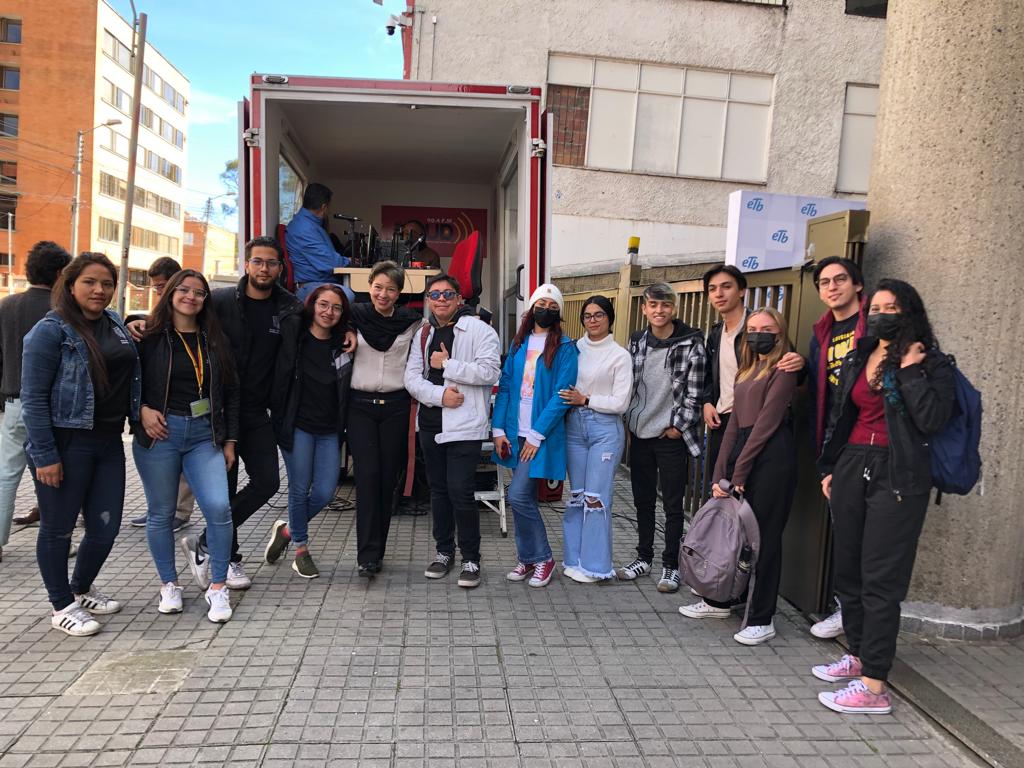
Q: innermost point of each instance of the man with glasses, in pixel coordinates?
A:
(453, 363)
(840, 286)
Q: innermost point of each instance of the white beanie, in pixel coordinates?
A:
(547, 291)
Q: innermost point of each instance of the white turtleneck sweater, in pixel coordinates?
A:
(605, 374)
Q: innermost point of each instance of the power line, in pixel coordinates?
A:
(21, 140)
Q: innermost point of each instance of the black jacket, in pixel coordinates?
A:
(155, 353)
(928, 393)
(712, 376)
(287, 390)
(229, 306)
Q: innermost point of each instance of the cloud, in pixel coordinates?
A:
(206, 108)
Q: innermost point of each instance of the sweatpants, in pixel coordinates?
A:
(874, 547)
(769, 490)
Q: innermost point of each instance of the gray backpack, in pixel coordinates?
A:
(718, 554)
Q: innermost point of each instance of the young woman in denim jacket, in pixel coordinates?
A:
(188, 423)
(80, 380)
(529, 425)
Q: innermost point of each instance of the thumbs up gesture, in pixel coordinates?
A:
(437, 358)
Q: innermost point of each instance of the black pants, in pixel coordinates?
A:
(93, 482)
(715, 437)
(874, 548)
(378, 436)
(257, 448)
(650, 460)
(451, 470)
(769, 490)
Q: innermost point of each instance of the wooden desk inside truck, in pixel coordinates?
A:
(358, 279)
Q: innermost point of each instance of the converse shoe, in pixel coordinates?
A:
(237, 578)
(669, 581)
(139, 522)
(220, 605)
(198, 563)
(634, 570)
(755, 634)
(304, 565)
(170, 598)
(75, 621)
(521, 572)
(856, 699)
(542, 574)
(440, 567)
(846, 668)
(701, 610)
(96, 602)
(278, 544)
(828, 628)
(469, 576)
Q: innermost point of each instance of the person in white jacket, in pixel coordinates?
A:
(453, 363)
(595, 440)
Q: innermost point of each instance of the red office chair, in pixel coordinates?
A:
(466, 266)
(287, 274)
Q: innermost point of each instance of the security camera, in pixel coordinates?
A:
(390, 29)
(395, 22)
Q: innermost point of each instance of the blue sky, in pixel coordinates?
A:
(217, 44)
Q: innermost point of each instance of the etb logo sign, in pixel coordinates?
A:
(751, 262)
(780, 236)
(810, 210)
(755, 204)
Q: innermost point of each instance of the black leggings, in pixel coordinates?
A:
(378, 434)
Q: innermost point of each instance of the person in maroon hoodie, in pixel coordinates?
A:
(840, 285)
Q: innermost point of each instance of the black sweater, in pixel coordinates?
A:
(18, 314)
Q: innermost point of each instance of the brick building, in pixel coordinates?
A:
(70, 71)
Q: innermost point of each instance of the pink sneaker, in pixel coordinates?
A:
(542, 573)
(521, 572)
(856, 699)
(846, 668)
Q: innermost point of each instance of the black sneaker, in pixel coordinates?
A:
(367, 570)
(304, 565)
(469, 576)
(440, 567)
(278, 543)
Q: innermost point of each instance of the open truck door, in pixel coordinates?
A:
(243, 204)
(453, 152)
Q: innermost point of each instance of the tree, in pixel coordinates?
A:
(229, 180)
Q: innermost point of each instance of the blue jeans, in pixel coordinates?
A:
(531, 535)
(189, 448)
(12, 464)
(93, 482)
(313, 467)
(593, 450)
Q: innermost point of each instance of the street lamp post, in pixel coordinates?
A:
(75, 203)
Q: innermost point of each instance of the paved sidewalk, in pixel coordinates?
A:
(410, 672)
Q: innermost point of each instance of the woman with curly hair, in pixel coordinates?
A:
(895, 390)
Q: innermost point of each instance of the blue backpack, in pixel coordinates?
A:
(956, 460)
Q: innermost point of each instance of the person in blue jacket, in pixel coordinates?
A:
(529, 425)
(309, 244)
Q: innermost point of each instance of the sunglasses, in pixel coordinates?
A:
(447, 294)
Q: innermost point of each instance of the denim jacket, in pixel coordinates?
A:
(56, 385)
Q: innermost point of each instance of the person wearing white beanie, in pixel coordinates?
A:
(529, 425)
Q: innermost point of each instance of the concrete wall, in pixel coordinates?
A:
(948, 187)
(812, 48)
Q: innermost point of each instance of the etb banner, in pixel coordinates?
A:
(768, 231)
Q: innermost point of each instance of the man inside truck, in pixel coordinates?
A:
(309, 244)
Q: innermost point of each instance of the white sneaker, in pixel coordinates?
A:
(828, 628)
(634, 570)
(701, 610)
(96, 602)
(669, 581)
(197, 562)
(579, 576)
(237, 578)
(755, 635)
(170, 598)
(75, 621)
(219, 601)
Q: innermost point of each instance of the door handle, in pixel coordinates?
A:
(519, 282)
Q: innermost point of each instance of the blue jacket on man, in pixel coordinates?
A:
(310, 249)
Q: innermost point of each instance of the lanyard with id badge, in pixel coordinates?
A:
(200, 407)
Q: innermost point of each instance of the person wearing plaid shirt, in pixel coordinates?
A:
(663, 419)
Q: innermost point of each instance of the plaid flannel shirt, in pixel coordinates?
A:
(687, 362)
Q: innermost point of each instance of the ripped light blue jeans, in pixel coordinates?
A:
(594, 445)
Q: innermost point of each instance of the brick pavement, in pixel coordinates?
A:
(410, 672)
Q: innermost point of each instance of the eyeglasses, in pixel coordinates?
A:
(594, 316)
(447, 294)
(326, 306)
(184, 290)
(268, 263)
(838, 280)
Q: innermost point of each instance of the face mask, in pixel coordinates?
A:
(546, 317)
(762, 343)
(884, 326)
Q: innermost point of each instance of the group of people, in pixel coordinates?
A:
(210, 379)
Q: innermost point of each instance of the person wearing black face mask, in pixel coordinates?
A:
(758, 457)
(895, 390)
